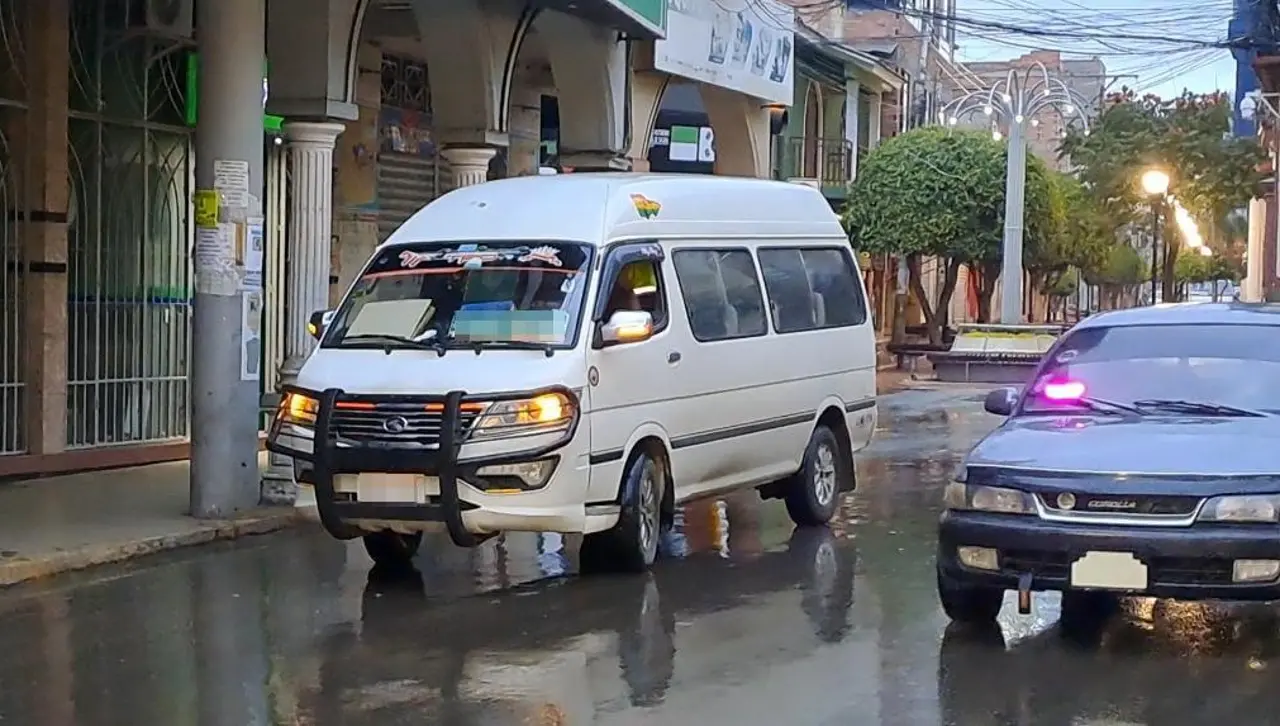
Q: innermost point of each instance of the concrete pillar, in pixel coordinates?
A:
(226, 331)
(470, 165)
(1251, 290)
(646, 96)
(852, 89)
(44, 233)
(873, 120)
(310, 224)
(310, 146)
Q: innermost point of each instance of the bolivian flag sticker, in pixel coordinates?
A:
(645, 207)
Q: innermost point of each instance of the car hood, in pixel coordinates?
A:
(1203, 446)
(423, 372)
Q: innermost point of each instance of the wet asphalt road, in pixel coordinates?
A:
(745, 622)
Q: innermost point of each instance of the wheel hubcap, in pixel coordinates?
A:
(824, 475)
(648, 510)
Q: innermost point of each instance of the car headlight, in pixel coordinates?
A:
(1247, 508)
(547, 413)
(295, 408)
(987, 499)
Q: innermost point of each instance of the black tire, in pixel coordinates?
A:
(814, 492)
(966, 605)
(632, 544)
(390, 549)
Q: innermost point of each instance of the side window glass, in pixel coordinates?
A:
(791, 300)
(834, 281)
(720, 293)
(639, 287)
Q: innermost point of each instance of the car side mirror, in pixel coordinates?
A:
(1001, 401)
(318, 321)
(627, 326)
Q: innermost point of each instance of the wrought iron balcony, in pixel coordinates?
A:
(826, 163)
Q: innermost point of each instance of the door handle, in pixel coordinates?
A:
(673, 357)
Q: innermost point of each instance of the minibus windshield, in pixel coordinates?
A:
(466, 294)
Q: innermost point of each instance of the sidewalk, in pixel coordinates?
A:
(65, 523)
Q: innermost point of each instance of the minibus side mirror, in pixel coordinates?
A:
(1000, 401)
(318, 321)
(627, 326)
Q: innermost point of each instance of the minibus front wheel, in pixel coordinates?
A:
(392, 549)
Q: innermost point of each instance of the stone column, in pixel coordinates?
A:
(470, 165)
(310, 146)
(852, 90)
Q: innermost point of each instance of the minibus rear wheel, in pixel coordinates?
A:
(392, 549)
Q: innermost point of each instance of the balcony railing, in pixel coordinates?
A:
(828, 162)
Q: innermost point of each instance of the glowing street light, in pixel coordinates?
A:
(1016, 99)
(1155, 182)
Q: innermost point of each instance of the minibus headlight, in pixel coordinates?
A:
(295, 408)
(540, 414)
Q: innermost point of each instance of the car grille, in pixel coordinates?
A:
(1160, 570)
(410, 424)
(1123, 505)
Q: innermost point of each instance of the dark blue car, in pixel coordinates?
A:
(1142, 458)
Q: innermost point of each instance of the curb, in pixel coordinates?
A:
(20, 569)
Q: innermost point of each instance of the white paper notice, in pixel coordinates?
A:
(254, 255)
(251, 335)
(216, 260)
(231, 179)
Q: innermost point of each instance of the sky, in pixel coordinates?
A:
(1162, 42)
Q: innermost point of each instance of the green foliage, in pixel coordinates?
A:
(1122, 266)
(1196, 268)
(1064, 285)
(1077, 233)
(1210, 171)
(940, 193)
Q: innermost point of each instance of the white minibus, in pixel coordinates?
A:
(581, 353)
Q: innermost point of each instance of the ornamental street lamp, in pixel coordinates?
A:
(1156, 184)
(1017, 99)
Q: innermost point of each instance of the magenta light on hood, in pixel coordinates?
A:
(1064, 390)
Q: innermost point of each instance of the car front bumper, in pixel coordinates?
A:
(1189, 563)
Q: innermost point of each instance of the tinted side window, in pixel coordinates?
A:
(720, 293)
(812, 288)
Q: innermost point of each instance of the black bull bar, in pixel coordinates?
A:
(443, 461)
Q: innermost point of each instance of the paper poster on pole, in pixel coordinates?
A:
(215, 260)
(206, 208)
(231, 179)
(250, 335)
(254, 255)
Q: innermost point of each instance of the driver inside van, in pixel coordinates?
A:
(635, 289)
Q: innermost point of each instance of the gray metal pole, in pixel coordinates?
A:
(226, 331)
(1011, 264)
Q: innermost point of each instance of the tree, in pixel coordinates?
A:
(938, 193)
(1119, 275)
(1077, 237)
(1211, 172)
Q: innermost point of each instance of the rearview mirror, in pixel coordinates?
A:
(318, 321)
(627, 326)
(1000, 401)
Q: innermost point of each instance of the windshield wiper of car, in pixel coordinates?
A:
(480, 345)
(391, 342)
(1194, 407)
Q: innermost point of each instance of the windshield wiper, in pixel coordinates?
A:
(479, 345)
(1096, 405)
(1202, 407)
(391, 342)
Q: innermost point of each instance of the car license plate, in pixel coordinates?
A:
(1109, 571)
(381, 488)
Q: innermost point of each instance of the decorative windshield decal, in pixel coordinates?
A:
(645, 207)
(473, 256)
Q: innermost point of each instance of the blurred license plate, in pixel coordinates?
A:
(383, 488)
(1109, 571)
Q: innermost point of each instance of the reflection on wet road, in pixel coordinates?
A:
(745, 621)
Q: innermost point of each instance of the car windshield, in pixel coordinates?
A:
(1190, 369)
(449, 294)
